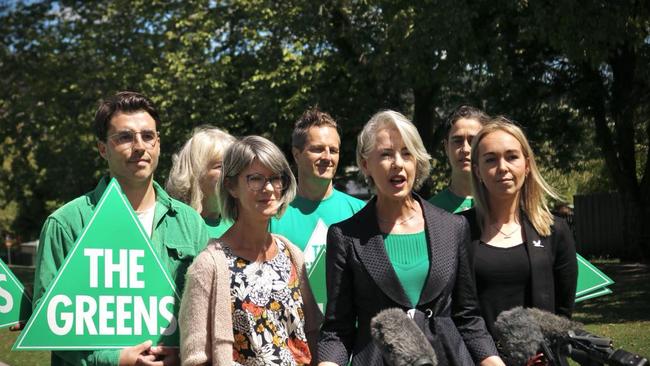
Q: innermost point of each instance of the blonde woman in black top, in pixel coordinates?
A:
(522, 255)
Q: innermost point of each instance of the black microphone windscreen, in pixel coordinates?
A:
(401, 341)
(518, 336)
(554, 327)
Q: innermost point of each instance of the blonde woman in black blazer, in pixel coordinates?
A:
(521, 254)
(362, 279)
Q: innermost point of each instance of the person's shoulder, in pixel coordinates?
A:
(443, 217)
(437, 210)
(439, 198)
(73, 212)
(212, 254)
(560, 224)
(358, 222)
(469, 214)
(293, 249)
(351, 200)
(185, 211)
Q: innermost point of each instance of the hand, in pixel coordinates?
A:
(168, 355)
(138, 355)
(17, 327)
(493, 361)
(537, 360)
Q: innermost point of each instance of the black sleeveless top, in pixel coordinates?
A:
(502, 279)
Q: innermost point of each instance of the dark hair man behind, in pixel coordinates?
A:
(461, 127)
(316, 144)
(127, 129)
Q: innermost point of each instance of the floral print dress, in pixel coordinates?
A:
(267, 316)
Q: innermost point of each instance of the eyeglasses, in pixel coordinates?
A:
(125, 139)
(257, 182)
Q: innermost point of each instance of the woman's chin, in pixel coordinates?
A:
(395, 192)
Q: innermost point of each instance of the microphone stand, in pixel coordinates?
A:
(588, 349)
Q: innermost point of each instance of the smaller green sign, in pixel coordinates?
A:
(592, 282)
(15, 305)
(591, 295)
(112, 291)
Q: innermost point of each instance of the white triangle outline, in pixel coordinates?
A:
(316, 261)
(19, 285)
(318, 237)
(111, 186)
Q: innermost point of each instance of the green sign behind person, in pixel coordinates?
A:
(111, 292)
(15, 306)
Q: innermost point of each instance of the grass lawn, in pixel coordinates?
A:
(7, 338)
(18, 358)
(623, 316)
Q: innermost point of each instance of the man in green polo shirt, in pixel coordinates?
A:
(318, 204)
(127, 128)
(461, 127)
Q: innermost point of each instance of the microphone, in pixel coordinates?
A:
(518, 336)
(401, 341)
(557, 337)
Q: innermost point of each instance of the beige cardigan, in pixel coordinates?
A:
(205, 317)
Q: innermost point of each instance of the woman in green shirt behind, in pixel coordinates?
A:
(196, 168)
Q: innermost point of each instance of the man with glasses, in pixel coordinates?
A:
(126, 126)
(317, 205)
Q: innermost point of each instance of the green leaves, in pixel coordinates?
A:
(253, 66)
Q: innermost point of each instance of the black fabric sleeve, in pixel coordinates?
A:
(339, 328)
(465, 307)
(565, 268)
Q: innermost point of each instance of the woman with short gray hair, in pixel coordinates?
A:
(247, 298)
(400, 251)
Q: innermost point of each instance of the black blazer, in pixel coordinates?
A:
(553, 263)
(361, 282)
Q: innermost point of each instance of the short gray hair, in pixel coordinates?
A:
(238, 157)
(386, 119)
(190, 164)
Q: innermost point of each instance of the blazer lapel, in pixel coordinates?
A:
(439, 253)
(372, 253)
(538, 249)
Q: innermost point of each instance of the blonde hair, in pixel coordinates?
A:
(533, 197)
(409, 133)
(190, 164)
(238, 157)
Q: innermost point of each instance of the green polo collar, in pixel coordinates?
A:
(162, 197)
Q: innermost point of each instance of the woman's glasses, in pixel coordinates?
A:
(257, 182)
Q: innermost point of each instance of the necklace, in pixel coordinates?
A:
(398, 222)
(509, 235)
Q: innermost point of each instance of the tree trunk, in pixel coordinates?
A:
(423, 116)
(618, 147)
(423, 119)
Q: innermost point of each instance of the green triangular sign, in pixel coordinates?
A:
(590, 278)
(15, 305)
(316, 277)
(112, 290)
(592, 282)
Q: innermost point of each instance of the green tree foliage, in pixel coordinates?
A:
(574, 74)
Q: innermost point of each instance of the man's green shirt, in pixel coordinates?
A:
(449, 202)
(178, 235)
